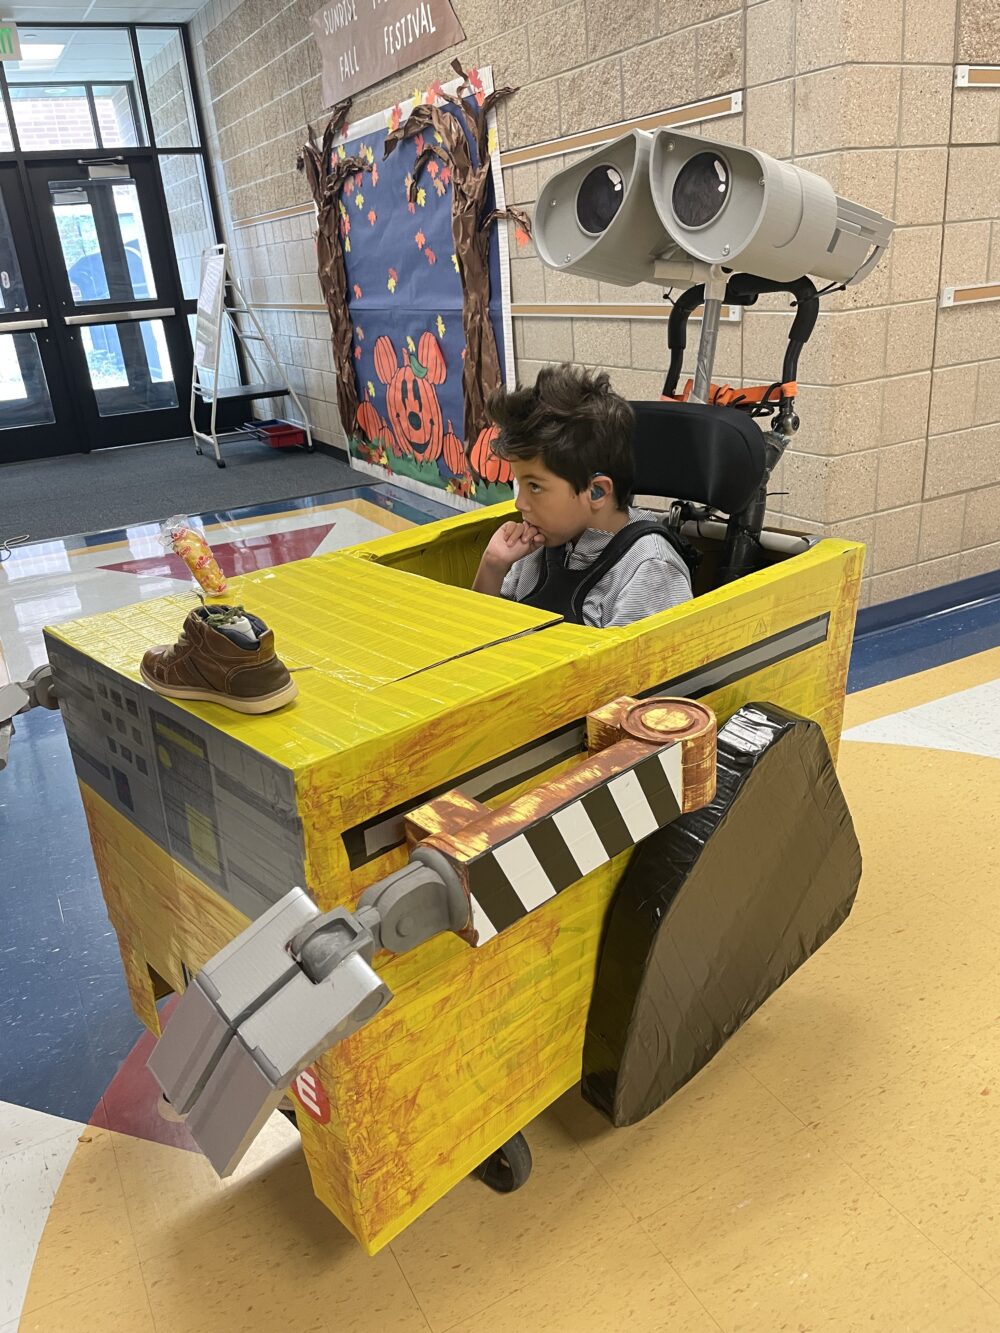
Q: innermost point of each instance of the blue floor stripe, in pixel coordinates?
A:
(64, 1011)
(882, 655)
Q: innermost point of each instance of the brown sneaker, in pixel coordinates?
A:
(225, 656)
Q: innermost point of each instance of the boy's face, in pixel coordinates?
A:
(550, 503)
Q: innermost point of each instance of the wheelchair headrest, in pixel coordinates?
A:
(694, 451)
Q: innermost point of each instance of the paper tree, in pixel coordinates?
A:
(462, 146)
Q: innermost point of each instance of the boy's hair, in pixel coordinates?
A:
(574, 422)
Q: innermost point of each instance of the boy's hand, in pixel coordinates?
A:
(511, 543)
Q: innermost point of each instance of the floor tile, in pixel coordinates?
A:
(953, 800)
(114, 1305)
(173, 1196)
(286, 1264)
(21, 1127)
(87, 1238)
(798, 1240)
(978, 1313)
(622, 1283)
(687, 1142)
(476, 1247)
(871, 999)
(940, 1170)
(29, 1179)
(924, 686)
(968, 721)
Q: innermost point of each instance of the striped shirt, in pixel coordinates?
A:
(649, 577)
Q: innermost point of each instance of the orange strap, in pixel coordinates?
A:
(723, 395)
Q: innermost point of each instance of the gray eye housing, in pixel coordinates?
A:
(672, 196)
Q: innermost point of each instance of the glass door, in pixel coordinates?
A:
(36, 419)
(117, 313)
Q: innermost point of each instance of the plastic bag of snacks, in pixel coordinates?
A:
(178, 536)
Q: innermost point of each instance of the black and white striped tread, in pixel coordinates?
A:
(513, 878)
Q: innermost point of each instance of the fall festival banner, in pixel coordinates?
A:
(416, 260)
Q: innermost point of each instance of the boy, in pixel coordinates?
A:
(580, 550)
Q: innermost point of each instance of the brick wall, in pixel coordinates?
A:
(899, 445)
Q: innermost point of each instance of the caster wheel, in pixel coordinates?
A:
(508, 1168)
(219, 463)
(197, 451)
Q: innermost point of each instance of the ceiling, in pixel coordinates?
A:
(99, 11)
(81, 53)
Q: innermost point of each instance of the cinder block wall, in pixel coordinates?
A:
(900, 399)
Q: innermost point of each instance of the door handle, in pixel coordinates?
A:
(23, 325)
(120, 316)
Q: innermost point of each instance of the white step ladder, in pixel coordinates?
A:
(221, 301)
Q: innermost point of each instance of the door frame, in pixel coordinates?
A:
(49, 438)
(69, 434)
(70, 317)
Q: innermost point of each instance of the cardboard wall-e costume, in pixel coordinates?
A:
(529, 851)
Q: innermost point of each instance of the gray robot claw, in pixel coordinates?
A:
(294, 984)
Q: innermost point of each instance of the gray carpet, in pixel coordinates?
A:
(112, 488)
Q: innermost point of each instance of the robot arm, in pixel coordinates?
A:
(18, 696)
(297, 981)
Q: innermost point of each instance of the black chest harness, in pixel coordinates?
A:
(563, 591)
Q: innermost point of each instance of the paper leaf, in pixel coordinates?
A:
(420, 239)
(359, 199)
(440, 326)
(421, 196)
(521, 236)
(357, 291)
(430, 256)
(357, 353)
(372, 216)
(491, 141)
(411, 344)
(439, 187)
(454, 260)
(371, 389)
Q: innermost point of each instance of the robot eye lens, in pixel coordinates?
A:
(599, 199)
(701, 189)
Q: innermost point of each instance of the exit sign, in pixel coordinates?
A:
(10, 43)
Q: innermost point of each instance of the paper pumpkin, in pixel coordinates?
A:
(485, 463)
(413, 408)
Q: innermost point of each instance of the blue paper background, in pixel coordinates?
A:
(424, 292)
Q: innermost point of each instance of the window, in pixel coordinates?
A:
(164, 68)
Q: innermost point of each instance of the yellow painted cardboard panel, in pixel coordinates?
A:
(163, 915)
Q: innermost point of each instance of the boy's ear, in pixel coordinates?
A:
(600, 487)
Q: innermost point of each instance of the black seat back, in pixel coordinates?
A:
(693, 451)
